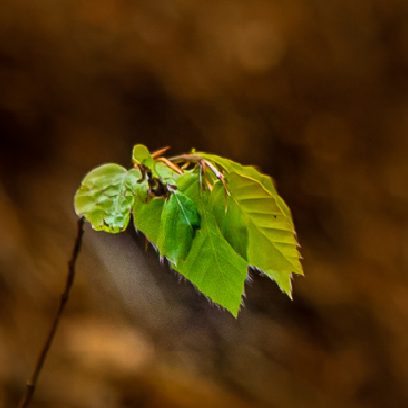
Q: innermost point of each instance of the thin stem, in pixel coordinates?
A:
(32, 382)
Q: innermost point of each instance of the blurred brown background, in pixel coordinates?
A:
(314, 92)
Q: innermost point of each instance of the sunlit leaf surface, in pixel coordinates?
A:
(106, 196)
(213, 221)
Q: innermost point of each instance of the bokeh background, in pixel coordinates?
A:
(313, 92)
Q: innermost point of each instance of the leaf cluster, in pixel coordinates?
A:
(212, 218)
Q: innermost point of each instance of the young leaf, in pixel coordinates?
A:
(165, 173)
(106, 196)
(263, 256)
(212, 222)
(251, 173)
(189, 184)
(230, 219)
(272, 245)
(179, 219)
(147, 217)
(142, 156)
(213, 266)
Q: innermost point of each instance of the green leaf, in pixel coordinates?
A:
(140, 154)
(189, 184)
(169, 224)
(276, 204)
(211, 227)
(263, 256)
(147, 217)
(272, 245)
(252, 173)
(248, 171)
(179, 219)
(106, 196)
(165, 173)
(213, 266)
(230, 219)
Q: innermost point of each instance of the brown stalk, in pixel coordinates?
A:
(32, 382)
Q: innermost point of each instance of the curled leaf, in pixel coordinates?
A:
(106, 196)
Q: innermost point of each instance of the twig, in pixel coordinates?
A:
(32, 382)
